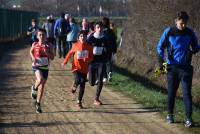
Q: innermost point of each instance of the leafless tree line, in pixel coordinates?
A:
(75, 7)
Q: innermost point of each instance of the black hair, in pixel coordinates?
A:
(73, 20)
(98, 23)
(62, 15)
(91, 25)
(82, 32)
(34, 20)
(106, 22)
(182, 15)
(42, 30)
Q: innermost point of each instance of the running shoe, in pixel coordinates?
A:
(38, 107)
(97, 102)
(33, 93)
(188, 122)
(73, 89)
(79, 105)
(110, 76)
(170, 118)
(104, 80)
(96, 82)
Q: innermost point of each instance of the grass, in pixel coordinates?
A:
(153, 98)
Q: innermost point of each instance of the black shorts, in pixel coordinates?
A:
(44, 72)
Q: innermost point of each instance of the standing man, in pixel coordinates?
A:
(49, 27)
(181, 43)
(32, 31)
(61, 29)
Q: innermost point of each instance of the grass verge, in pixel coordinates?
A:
(153, 98)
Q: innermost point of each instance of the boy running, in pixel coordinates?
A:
(82, 55)
(40, 53)
(97, 67)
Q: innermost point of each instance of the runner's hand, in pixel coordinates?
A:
(62, 65)
(33, 59)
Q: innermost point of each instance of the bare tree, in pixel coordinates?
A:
(86, 7)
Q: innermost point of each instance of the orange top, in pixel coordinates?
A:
(83, 54)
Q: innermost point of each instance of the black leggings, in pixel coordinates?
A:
(80, 79)
(96, 72)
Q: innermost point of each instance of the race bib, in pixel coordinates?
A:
(82, 54)
(43, 61)
(97, 50)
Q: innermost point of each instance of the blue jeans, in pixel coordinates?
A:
(61, 46)
(175, 75)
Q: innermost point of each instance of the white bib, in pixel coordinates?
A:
(82, 54)
(43, 61)
(97, 50)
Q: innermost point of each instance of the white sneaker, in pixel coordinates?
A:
(104, 79)
(96, 82)
(33, 93)
(109, 76)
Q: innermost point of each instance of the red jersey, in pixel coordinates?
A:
(40, 55)
(83, 54)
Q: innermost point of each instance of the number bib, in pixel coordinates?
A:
(82, 54)
(43, 61)
(97, 50)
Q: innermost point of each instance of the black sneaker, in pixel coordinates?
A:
(188, 122)
(38, 107)
(170, 118)
(33, 93)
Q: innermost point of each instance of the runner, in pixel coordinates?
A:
(112, 42)
(40, 54)
(181, 43)
(98, 65)
(82, 53)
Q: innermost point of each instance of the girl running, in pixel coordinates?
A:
(82, 55)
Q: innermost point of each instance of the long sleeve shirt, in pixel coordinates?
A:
(180, 45)
(82, 56)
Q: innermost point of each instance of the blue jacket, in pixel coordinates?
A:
(73, 34)
(33, 30)
(180, 46)
(57, 26)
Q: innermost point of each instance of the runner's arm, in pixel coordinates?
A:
(31, 53)
(69, 54)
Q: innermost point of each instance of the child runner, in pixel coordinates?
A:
(82, 55)
(97, 67)
(40, 53)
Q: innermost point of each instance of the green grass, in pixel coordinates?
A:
(154, 99)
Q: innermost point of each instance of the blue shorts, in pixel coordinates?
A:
(44, 72)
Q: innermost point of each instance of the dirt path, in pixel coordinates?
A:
(119, 115)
